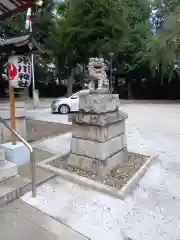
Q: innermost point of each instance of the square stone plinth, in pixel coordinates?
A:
(98, 133)
(98, 103)
(97, 150)
(18, 153)
(102, 168)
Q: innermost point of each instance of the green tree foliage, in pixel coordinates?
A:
(87, 28)
(163, 51)
(130, 55)
(73, 31)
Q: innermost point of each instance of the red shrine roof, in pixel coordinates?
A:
(11, 7)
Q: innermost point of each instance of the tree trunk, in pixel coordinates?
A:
(130, 93)
(70, 82)
(58, 67)
(82, 77)
(25, 94)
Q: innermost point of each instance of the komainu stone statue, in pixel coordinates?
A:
(98, 142)
(97, 75)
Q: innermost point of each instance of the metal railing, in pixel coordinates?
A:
(32, 159)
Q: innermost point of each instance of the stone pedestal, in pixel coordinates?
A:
(98, 139)
(36, 98)
(18, 154)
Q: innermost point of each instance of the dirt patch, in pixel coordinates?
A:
(37, 130)
(117, 178)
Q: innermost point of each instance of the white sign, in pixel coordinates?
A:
(19, 71)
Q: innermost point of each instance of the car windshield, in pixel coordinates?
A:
(74, 96)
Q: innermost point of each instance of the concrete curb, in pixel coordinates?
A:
(50, 159)
(133, 182)
(121, 194)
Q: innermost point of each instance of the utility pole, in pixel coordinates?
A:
(111, 82)
(29, 27)
(32, 67)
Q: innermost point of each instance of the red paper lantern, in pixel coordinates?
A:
(12, 71)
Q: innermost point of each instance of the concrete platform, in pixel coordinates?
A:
(13, 188)
(7, 170)
(20, 221)
(24, 170)
(46, 115)
(12, 185)
(153, 210)
(2, 155)
(18, 154)
(87, 211)
(55, 145)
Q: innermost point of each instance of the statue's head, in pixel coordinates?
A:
(96, 64)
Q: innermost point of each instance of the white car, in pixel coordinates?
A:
(66, 105)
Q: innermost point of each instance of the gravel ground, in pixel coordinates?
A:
(37, 130)
(117, 178)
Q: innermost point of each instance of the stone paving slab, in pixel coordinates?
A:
(55, 145)
(18, 227)
(153, 210)
(20, 221)
(46, 115)
(24, 170)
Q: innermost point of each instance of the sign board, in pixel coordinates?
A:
(19, 71)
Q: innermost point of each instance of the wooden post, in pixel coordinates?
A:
(12, 114)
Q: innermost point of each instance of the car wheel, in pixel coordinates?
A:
(64, 109)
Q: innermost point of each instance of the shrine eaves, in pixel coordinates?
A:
(12, 7)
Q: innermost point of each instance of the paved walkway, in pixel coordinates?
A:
(152, 211)
(46, 115)
(58, 145)
(20, 221)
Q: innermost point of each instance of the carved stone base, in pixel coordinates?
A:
(99, 119)
(98, 138)
(100, 91)
(99, 103)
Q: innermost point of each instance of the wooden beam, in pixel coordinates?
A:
(16, 3)
(6, 12)
(12, 114)
(3, 8)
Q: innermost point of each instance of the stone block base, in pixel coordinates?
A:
(18, 153)
(98, 133)
(102, 168)
(97, 150)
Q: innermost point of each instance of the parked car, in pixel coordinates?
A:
(66, 105)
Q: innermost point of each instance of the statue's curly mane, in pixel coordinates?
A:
(97, 74)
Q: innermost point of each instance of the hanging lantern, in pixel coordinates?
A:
(19, 71)
(39, 3)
